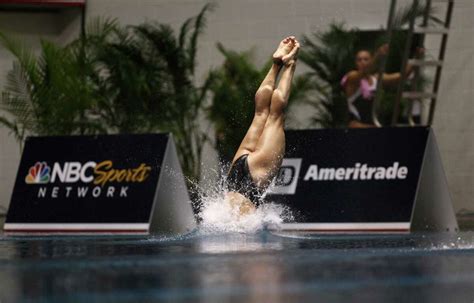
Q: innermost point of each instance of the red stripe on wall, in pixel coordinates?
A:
(77, 3)
(72, 231)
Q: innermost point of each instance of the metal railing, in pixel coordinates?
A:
(414, 95)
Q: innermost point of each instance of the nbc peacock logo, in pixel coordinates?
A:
(38, 173)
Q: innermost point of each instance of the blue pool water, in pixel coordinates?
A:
(237, 267)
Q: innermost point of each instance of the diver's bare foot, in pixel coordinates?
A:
(285, 47)
(291, 57)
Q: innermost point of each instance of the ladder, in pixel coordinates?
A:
(414, 94)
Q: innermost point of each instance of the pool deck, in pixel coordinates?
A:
(262, 267)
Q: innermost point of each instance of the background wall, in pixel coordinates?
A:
(260, 24)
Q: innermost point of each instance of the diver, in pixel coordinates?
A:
(360, 85)
(261, 152)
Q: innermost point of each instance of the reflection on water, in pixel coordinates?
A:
(238, 267)
(237, 243)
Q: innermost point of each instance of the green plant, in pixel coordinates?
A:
(129, 83)
(144, 76)
(112, 79)
(179, 111)
(231, 111)
(45, 95)
(329, 57)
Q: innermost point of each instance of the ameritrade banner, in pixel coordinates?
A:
(351, 178)
(88, 179)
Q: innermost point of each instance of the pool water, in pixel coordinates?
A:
(263, 266)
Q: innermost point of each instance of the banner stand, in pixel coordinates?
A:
(364, 180)
(105, 184)
(172, 211)
(433, 209)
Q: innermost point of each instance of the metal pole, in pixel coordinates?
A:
(381, 70)
(417, 70)
(403, 75)
(442, 52)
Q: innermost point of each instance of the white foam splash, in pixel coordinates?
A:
(460, 243)
(218, 215)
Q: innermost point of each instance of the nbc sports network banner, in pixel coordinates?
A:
(110, 183)
(381, 179)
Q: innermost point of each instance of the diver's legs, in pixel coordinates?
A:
(263, 98)
(262, 109)
(265, 162)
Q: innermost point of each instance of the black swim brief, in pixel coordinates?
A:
(240, 180)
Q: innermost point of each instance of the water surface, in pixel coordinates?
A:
(239, 267)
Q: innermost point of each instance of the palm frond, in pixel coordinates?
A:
(112, 79)
(101, 27)
(16, 101)
(13, 127)
(183, 32)
(413, 10)
(199, 26)
(22, 54)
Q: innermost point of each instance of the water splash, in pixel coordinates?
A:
(217, 215)
(459, 243)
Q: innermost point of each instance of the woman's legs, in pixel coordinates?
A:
(263, 98)
(265, 162)
(262, 109)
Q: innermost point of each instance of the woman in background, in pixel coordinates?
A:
(360, 85)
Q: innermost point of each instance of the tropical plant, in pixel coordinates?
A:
(144, 76)
(183, 100)
(233, 86)
(330, 55)
(127, 81)
(45, 95)
(231, 110)
(112, 79)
